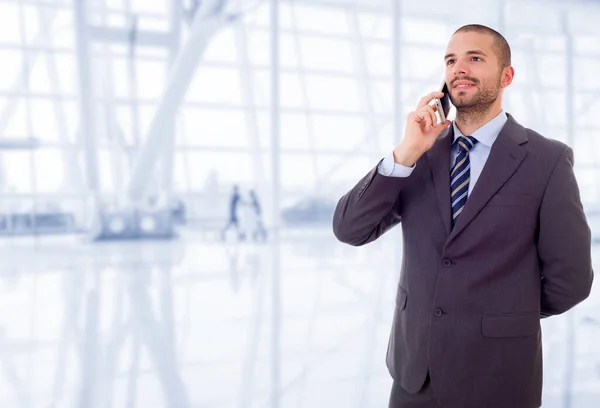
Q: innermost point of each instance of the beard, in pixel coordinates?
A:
(480, 101)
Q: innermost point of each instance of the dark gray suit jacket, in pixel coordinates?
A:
(470, 299)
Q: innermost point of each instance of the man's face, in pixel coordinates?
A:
(473, 73)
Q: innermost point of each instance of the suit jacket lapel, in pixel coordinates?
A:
(439, 163)
(505, 157)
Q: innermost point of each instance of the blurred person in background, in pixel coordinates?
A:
(234, 215)
(258, 229)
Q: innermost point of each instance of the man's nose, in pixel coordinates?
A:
(459, 68)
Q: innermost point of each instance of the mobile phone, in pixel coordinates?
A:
(443, 103)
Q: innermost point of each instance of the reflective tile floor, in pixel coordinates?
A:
(198, 323)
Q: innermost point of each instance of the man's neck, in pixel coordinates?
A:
(469, 121)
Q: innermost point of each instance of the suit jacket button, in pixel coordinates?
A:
(438, 312)
(447, 262)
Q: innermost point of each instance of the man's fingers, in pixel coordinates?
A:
(427, 117)
(442, 125)
(431, 120)
(428, 98)
(419, 117)
(430, 115)
(434, 118)
(428, 122)
(423, 116)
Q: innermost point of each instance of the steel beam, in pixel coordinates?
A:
(87, 122)
(203, 27)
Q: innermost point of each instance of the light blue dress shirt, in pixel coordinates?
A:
(478, 155)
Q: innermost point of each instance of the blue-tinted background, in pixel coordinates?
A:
(126, 124)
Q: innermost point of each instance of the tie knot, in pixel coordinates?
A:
(466, 143)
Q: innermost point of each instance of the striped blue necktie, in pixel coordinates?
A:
(460, 176)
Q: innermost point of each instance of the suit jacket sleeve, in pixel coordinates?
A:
(564, 242)
(370, 209)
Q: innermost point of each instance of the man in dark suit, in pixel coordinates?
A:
(494, 239)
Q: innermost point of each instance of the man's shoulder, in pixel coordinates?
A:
(535, 139)
(544, 145)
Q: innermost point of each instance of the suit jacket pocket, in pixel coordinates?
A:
(510, 200)
(401, 297)
(511, 324)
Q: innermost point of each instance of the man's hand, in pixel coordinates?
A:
(421, 132)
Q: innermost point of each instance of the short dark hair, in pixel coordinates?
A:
(501, 46)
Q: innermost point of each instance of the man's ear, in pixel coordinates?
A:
(508, 75)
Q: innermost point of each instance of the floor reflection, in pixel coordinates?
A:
(187, 323)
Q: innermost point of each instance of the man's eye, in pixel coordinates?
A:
(450, 61)
(477, 58)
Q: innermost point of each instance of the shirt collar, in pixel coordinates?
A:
(488, 133)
